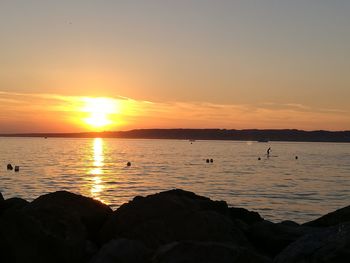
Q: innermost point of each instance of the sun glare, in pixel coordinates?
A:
(100, 111)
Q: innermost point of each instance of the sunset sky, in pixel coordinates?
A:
(81, 65)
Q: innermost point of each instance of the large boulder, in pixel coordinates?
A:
(25, 239)
(12, 203)
(62, 206)
(331, 219)
(123, 251)
(271, 238)
(172, 216)
(330, 245)
(206, 252)
(248, 217)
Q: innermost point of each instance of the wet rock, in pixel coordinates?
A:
(334, 218)
(65, 206)
(271, 238)
(206, 252)
(171, 216)
(123, 251)
(25, 239)
(248, 217)
(330, 245)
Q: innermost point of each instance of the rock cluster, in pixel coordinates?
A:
(174, 226)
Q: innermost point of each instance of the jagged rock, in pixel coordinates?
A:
(12, 203)
(63, 205)
(1, 197)
(206, 252)
(330, 245)
(271, 238)
(25, 239)
(171, 216)
(331, 219)
(248, 217)
(123, 251)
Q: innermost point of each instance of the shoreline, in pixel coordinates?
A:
(170, 226)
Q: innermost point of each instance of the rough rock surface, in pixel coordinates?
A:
(172, 216)
(331, 219)
(330, 245)
(206, 252)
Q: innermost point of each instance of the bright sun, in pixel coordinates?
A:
(99, 111)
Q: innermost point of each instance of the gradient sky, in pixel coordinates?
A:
(180, 63)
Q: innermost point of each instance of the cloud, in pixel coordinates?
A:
(65, 111)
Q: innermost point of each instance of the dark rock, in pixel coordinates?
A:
(62, 205)
(1, 197)
(171, 216)
(248, 217)
(330, 245)
(123, 251)
(24, 239)
(289, 223)
(206, 252)
(334, 218)
(271, 238)
(12, 203)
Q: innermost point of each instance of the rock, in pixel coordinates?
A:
(24, 239)
(206, 252)
(64, 205)
(171, 216)
(271, 238)
(339, 216)
(1, 197)
(248, 217)
(12, 203)
(123, 251)
(330, 245)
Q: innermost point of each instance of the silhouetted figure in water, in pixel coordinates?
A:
(211, 160)
(207, 160)
(128, 164)
(296, 157)
(268, 151)
(9, 167)
(16, 168)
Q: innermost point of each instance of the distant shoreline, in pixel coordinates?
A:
(288, 135)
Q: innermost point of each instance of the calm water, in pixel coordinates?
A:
(279, 187)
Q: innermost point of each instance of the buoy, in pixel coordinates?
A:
(128, 164)
(211, 160)
(259, 158)
(296, 157)
(16, 168)
(207, 160)
(9, 167)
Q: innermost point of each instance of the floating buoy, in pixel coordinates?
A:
(207, 160)
(211, 160)
(128, 164)
(9, 167)
(259, 158)
(296, 157)
(16, 168)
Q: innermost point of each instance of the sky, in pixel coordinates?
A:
(83, 65)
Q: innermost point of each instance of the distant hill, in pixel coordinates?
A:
(207, 134)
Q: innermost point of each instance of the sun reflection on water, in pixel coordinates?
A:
(97, 171)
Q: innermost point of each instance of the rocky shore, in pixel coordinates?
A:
(174, 226)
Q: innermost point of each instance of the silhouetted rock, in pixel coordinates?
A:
(25, 239)
(171, 216)
(248, 217)
(12, 203)
(339, 216)
(330, 245)
(123, 251)
(272, 238)
(1, 197)
(62, 206)
(206, 252)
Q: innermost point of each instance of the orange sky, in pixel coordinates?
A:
(174, 64)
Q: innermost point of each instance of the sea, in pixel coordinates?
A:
(299, 181)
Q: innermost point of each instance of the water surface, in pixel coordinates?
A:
(279, 188)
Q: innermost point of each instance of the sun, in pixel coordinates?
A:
(99, 111)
